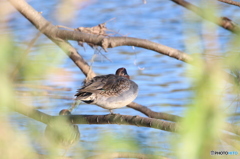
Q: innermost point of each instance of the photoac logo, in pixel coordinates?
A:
(223, 153)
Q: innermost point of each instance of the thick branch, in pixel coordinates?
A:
(54, 33)
(123, 120)
(111, 42)
(99, 119)
(110, 119)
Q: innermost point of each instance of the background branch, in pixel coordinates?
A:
(224, 22)
(148, 112)
(231, 2)
(56, 34)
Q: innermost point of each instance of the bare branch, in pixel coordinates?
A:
(231, 2)
(111, 42)
(56, 34)
(111, 119)
(99, 119)
(124, 120)
(148, 112)
(224, 22)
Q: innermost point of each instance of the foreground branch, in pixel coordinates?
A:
(110, 119)
(98, 119)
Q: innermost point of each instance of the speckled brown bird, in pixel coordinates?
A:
(109, 91)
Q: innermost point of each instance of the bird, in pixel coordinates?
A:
(62, 133)
(110, 91)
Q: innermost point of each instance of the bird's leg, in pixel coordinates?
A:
(75, 104)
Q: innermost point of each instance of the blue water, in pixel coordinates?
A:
(163, 86)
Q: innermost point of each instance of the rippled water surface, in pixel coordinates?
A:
(163, 85)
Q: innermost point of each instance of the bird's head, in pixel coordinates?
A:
(122, 72)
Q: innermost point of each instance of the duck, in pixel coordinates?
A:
(110, 91)
(62, 133)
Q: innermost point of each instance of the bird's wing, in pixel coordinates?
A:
(115, 85)
(106, 85)
(97, 83)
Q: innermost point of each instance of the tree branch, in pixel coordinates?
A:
(110, 119)
(224, 22)
(231, 2)
(98, 119)
(54, 33)
(111, 42)
(148, 112)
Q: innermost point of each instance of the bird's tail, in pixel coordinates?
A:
(87, 97)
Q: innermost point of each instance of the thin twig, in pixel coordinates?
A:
(152, 114)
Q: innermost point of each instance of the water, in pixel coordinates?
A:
(163, 86)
